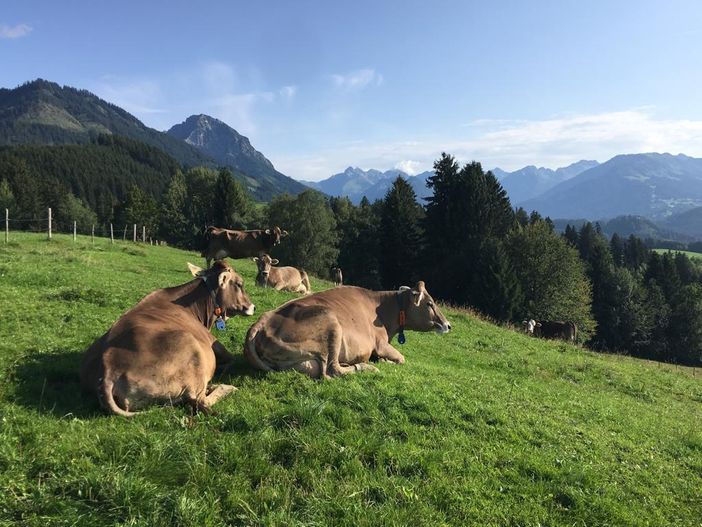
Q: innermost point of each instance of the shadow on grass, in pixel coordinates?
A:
(50, 383)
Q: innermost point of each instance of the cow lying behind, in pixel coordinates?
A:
(162, 350)
(281, 278)
(337, 277)
(549, 329)
(339, 330)
(239, 244)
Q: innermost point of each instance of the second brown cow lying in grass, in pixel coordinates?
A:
(281, 278)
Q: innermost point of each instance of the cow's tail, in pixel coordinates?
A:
(108, 400)
(306, 281)
(250, 349)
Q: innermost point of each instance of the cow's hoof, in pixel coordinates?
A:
(363, 366)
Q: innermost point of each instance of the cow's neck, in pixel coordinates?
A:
(195, 298)
(389, 303)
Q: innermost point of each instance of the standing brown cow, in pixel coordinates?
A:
(240, 244)
(550, 329)
(162, 350)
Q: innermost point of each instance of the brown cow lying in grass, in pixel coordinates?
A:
(281, 278)
(240, 244)
(161, 350)
(339, 330)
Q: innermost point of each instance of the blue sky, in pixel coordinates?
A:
(319, 86)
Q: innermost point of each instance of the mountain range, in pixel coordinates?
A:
(530, 181)
(355, 183)
(652, 185)
(41, 112)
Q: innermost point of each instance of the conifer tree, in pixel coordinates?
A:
(400, 236)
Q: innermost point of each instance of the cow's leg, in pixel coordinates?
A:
(333, 367)
(223, 358)
(218, 391)
(387, 352)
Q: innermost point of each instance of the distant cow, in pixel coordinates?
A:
(337, 331)
(337, 276)
(281, 278)
(239, 244)
(550, 329)
(162, 350)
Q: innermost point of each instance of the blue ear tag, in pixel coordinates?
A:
(219, 324)
(401, 337)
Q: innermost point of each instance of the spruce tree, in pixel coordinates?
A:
(400, 236)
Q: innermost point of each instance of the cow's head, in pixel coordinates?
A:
(228, 288)
(264, 264)
(422, 313)
(275, 235)
(531, 326)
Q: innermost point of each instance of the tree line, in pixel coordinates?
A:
(466, 241)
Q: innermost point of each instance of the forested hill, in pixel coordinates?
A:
(42, 112)
(101, 173)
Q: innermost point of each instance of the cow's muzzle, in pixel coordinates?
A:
(442, 328)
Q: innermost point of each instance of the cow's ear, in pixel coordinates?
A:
(274, 262)
(224, 278)
(417, 297)
(284, 233)
(195, 270)
(404, 288)
(267, 231)
(538, 324)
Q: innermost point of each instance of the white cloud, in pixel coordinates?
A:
(409, 167)
(18, 31)
(357, 80)
(510, 145)
(288, 92)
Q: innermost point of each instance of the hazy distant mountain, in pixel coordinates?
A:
(627, 225)
(355, 183)
(651, 185)
(688, 222)
(228, 147)
(43, 113)
(530, 181)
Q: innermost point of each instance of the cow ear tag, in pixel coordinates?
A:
(219, 324)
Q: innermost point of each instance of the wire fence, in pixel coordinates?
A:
(129, 232)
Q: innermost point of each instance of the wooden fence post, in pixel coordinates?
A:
(124, 234)
(92, 234)
(134, 238)
(112, 235)
(7, 225)
(143, 234)
(49, 222)
(74, 230)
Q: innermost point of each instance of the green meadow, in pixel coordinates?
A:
(482, 426)
(690, 254)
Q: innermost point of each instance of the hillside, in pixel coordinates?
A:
(482, 426)
(98, 172)
(43, 113)
(651, 185)
(688, 222)
(229, 148)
